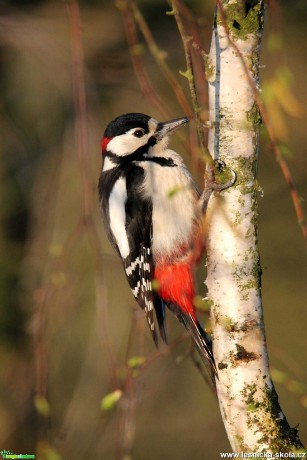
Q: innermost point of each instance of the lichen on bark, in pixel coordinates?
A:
(242, 17)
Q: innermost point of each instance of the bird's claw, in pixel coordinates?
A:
(219, 177)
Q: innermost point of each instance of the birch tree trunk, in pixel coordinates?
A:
(248, 401)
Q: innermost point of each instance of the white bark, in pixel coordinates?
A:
(249, 405)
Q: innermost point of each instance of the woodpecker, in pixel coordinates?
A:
(149, 204)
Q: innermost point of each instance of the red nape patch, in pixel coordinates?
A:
(104, 142)
(176, 285)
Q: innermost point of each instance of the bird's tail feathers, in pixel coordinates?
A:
(160, 315)
(201, 339)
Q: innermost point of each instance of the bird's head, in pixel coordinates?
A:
(131, 131)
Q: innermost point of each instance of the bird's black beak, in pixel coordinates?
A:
(163, 129)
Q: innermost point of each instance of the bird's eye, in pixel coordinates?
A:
(139, 133)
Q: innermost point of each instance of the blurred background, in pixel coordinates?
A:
(71, 337)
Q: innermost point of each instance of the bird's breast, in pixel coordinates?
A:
(174, 197)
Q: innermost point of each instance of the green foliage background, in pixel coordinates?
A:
(58, 302)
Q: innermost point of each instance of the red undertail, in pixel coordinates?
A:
(176, 285)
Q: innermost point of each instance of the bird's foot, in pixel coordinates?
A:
(218, 177)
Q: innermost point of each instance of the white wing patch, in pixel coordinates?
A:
(140, 270)
(136, 289)
(146, 288)
(132, 266)
(117, 215)
(140, 266)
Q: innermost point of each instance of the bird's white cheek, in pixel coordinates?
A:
(125, 144)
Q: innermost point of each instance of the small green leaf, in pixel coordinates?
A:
(172, 12)
(187, 74)
(122, 5)
(285, 150)
(136, 361)
(278, 376)
(173, 191)
(47, 452)
(155, 284)
(202, 304)
(304, 401)
(110, 400)
(42, 406)
(138, 50)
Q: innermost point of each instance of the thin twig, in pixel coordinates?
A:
(159, 56)
(189, 74)
(200, 74)
(160, 59)
(199, 64)
(39, 326)
(81, 132)
(136, 52)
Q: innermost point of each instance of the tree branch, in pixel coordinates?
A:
(248, 401)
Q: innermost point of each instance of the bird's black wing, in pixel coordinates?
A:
(139, 265)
